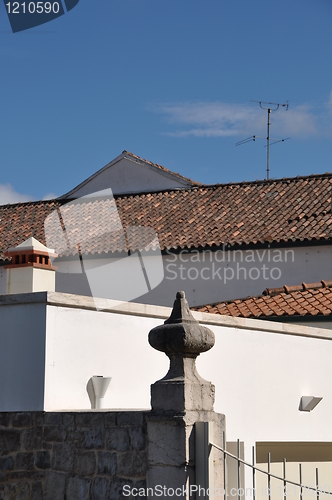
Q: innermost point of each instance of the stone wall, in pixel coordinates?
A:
(71, 455)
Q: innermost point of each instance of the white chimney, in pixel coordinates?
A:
(31, 268)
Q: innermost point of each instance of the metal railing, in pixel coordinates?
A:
(268, 473)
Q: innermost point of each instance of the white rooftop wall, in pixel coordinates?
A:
(260, 369)
(126, 175)
(208, 279)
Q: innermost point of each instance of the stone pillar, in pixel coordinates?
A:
(179, 400)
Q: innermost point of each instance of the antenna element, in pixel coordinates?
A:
(269, 107)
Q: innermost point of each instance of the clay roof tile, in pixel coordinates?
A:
(278, 211)
(314, 299)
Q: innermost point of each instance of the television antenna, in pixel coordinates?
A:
(269, 107)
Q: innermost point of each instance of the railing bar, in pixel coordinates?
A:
(224, 445)
(238, 469)
(253, 474)
(268, 474)
(264, 471)
(317, 484)
(300, 474)
(284, 475)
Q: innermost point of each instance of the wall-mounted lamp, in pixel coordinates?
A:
(308, 403)
(100, 385)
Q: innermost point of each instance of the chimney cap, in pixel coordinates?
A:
(31, 244)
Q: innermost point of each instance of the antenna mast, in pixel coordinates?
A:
(269, 107)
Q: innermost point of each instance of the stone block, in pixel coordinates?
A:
(22, 419)
(78, 488)
(127, 418)
(43, 459)
(25, 475)
(37, 492)
(3, 477)
(170, 479)
(68, 420)
(85, 463)
(7, 463)
(53, 418)
(172, 449)
(38, 418)
(86, 420)
(24, 461)
(106, 463)
(75, 437)
(99, 488)
(132, 464)
(9, 441)
(110, 419)
(33, 438)
(93, 438)
(140, 491)
(17, 491)
(55, 486)
(182, 396)
(116, 488)
(137, 438)
(167, 442)
(63, 457)
(55, 433)
(117, 438)
(4, 419)
(140, 484)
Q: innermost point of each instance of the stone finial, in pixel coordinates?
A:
(182, 339)
(181, 332)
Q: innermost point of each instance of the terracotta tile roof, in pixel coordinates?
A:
(21, 220)
(96, 226)
(160, 167)
(314, 299)
(285, 210)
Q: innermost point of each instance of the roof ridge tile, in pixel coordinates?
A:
(161, 167)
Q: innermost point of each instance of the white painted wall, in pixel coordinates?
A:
(260, 378)
(30, 279)
(216, 276)
(127, 175)
(82, 343)
(260, 369)
(207, 278)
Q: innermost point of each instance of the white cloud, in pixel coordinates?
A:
(202, 132)
(300, 121)
(330, 102)
(209, 119)
(220, 119)
(49, 196)
(9, 195)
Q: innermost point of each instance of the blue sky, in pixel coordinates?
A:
(170, 81)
